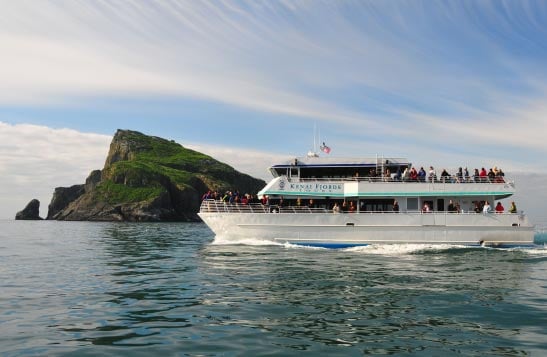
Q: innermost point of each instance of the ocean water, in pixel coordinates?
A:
(88, 289)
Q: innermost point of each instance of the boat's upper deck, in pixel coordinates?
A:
(332, 167)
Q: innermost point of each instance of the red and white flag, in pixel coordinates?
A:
(325, 148)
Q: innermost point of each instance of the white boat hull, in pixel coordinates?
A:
(328, 229)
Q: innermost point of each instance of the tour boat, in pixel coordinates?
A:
(344, 202)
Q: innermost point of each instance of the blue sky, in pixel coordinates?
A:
(448, 83)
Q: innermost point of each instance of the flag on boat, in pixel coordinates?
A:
(325, 148)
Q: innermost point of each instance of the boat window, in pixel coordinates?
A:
(412, 204)
(377, 205)
(294, 172)
(440, 204)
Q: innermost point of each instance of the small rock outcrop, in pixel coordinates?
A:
(147, 178)
(62, 197)
(30, 212)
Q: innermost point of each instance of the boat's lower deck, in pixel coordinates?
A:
(321, 229)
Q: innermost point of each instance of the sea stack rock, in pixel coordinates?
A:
(31, 212)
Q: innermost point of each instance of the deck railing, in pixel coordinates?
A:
(217, 206)
(438, 179)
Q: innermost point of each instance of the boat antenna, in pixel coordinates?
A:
(314, 152)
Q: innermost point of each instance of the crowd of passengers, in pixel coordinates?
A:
(231, 197)
(234, 197)
(461, 176)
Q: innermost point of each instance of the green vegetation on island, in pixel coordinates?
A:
(147, 178)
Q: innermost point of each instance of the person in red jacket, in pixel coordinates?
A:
(499, 208)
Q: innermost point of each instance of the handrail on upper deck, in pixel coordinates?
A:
(445, 179)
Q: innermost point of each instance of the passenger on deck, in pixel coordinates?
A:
(406, 174)
(398, 174)
(425, 208)
(421, 174)
(395, 206)
(459, 175)
(344, 206)
(483, 175)
(445, 176)
(451, 207)
(466, 175)
(477, 208)
(413, 174)
(336, 208)
(432, 174)
(499, 208)
(352, 207)
(491, 175)
(476, 175)
(513, 208)
(486, 208)
(499, 176)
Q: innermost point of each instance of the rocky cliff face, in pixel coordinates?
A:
(30, 212)
(147, 178)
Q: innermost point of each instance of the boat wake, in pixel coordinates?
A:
(383, 249)
(404, 249)
(219, 240)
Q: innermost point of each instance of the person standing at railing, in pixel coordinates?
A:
(395, 206)
(486, 208)
(445, 176)
(459, 175)
(499, 208)
(491, 175)
(352, 207)
(421, 175)
(466, 174)
(413, 174)
(483, 175)
(513, 208)
(336, 208)
(432, 174)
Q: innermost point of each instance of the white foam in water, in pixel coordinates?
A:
(402, 249)
(379, 249)
(219, 240)
(537, 250)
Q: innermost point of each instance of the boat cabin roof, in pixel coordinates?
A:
(316, 162)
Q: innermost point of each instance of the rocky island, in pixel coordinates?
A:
(31, 212)
(147, 178)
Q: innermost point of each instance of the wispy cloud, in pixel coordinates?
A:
(468, 72)
(254, 45)
(251, 162)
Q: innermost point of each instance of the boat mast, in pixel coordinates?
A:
(314, 152)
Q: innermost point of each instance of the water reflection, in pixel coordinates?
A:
(125, 289)
(342, 298)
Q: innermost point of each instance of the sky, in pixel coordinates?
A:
(445, 83)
